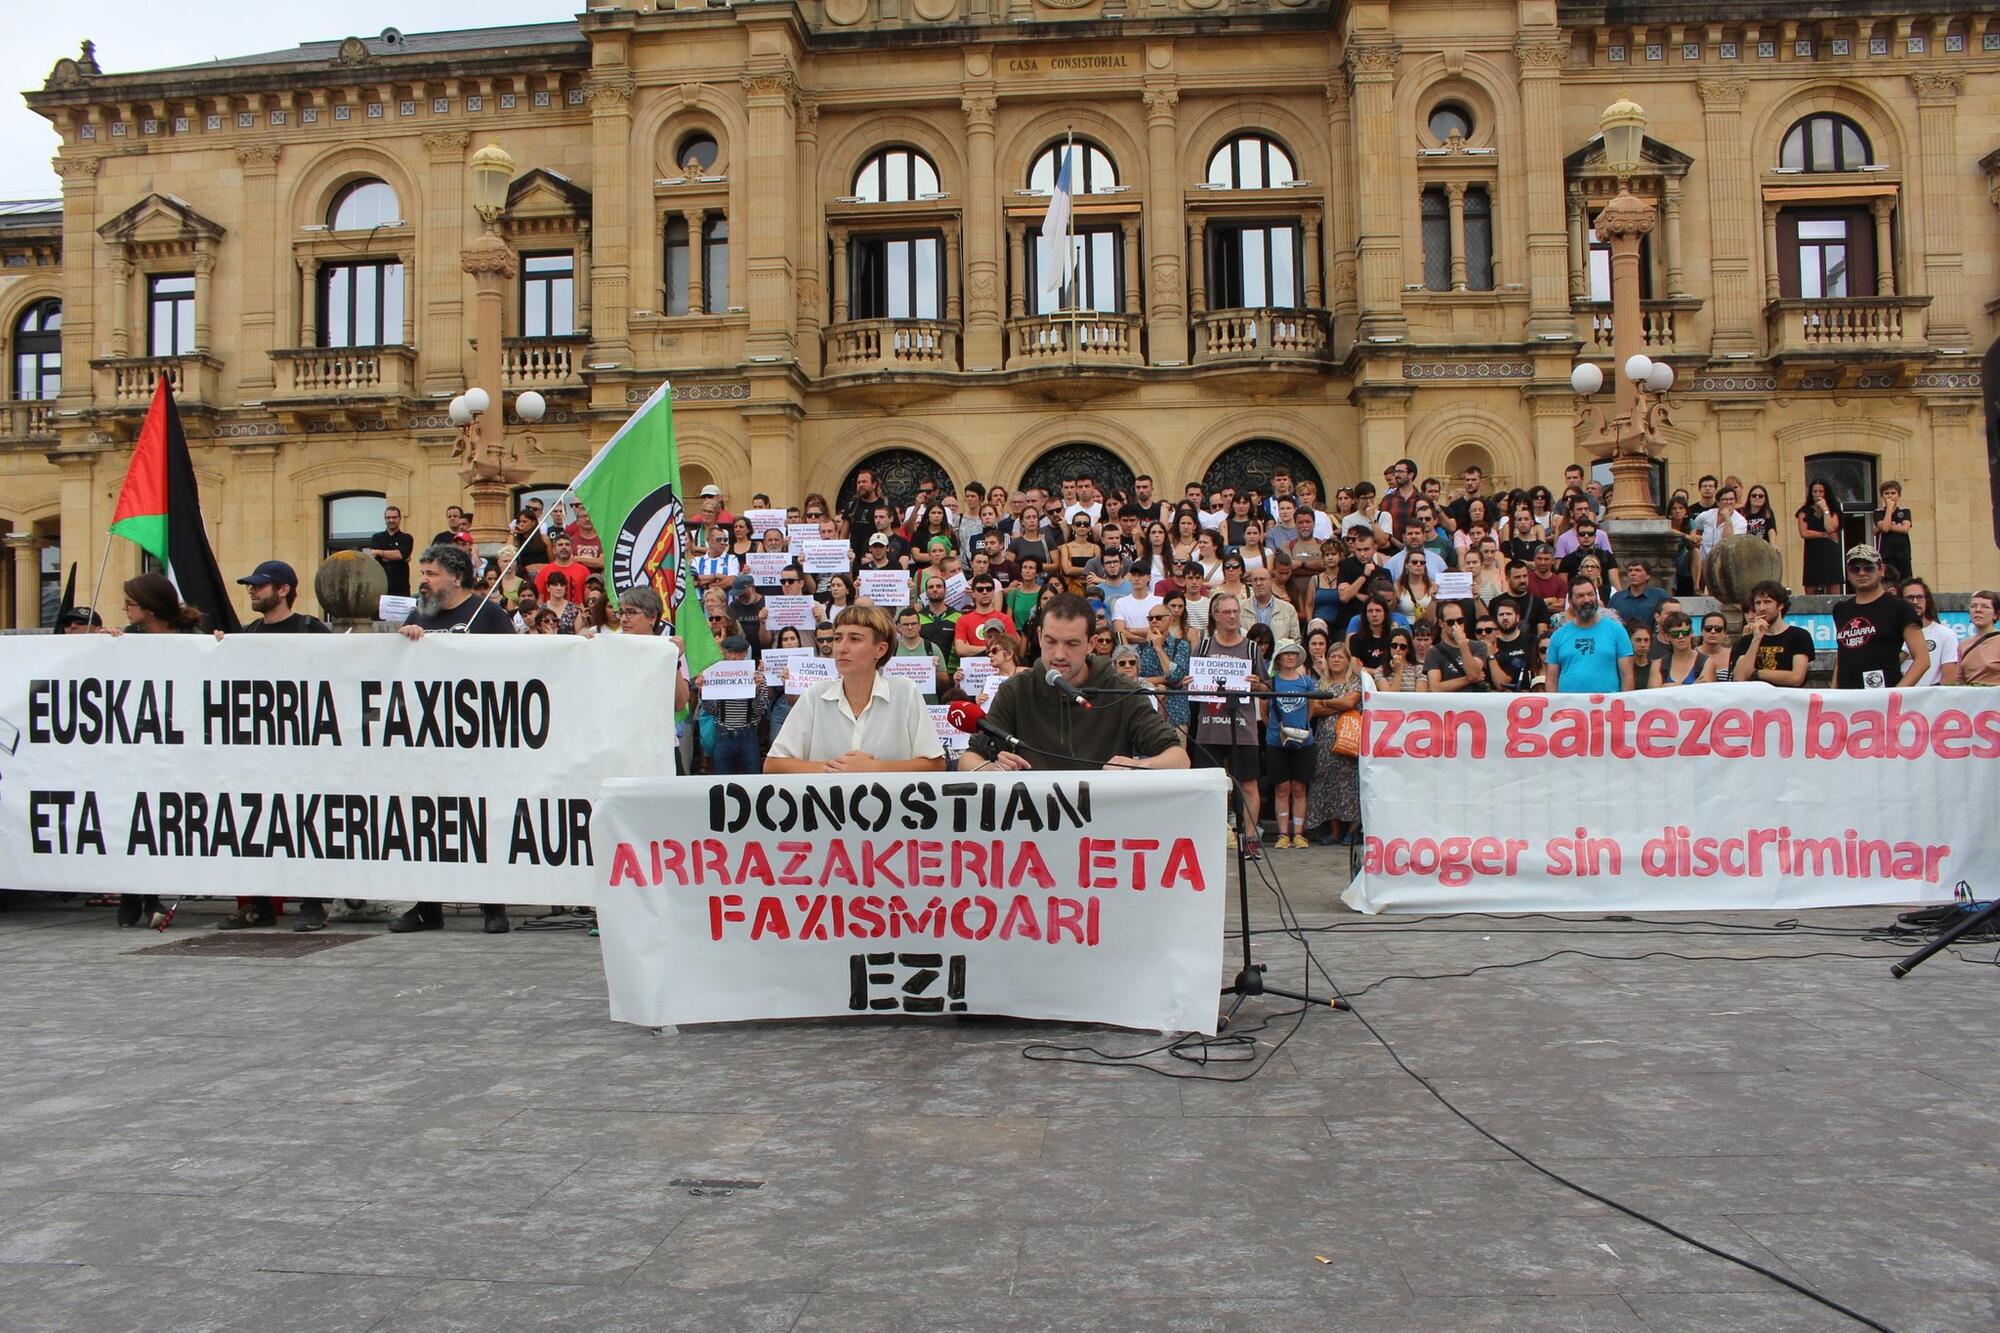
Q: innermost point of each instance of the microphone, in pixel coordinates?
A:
(1060, 683)
(971, 719)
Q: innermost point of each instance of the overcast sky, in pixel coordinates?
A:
(144, 34)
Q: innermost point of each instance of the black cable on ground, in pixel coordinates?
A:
(1287, 913)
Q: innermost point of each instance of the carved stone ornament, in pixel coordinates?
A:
(979, 109)
(1625, 215)
(76, 168)
(1934, 87)
(489, 255)
(808, 298)
(691, 93)
(981, 286)
(1541, 55)
(778, 84)
(1722, 94)
(1166, 278)
(1070, 4)
(844, 13)
(353, 51)
(808, 115)
(1375, 59)
(446, 143)
(1162, 101)
(609, 93)
(63, 75)
(259, 154)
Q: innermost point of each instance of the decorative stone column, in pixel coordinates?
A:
(773, 173)
(1940, 175)
(1340, 216)
(1541, 57)
(79, 244)
(610, 94)
(442, 298)
(1670, 235)
(840, 271)
(1454, 194)
(121, 301)
(1731, 184)
(1198, 258)
(1623, 224)
(1166, 226)
(812, 253)
(257, 331)
(1579, 246)
(1885, 246)
(494, 268)
(26, 552)
(694, 219)
(1773, 279)
(1017, 271)
(982, 348)
(204, 296)
(1377, 149)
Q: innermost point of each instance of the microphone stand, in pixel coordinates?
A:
(1249, 980)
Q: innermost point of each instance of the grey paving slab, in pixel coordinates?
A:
(444, 1132)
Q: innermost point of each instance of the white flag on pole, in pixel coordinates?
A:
(1055, 232)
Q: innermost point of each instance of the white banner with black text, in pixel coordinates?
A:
(1733, 796)
(1095, 898)
(457, 767)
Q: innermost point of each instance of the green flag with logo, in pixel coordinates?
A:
(632, 488)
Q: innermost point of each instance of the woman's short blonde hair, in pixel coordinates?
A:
(876, 621)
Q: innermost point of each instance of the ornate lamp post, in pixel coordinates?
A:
(1629, 440)
(486, 464)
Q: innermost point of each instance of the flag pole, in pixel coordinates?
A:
(1069, 238)
(98, 586)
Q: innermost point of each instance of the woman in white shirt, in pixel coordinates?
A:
(861, 721)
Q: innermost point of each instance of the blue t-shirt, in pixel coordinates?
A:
(1289, 712)
(1588, 657)
(1637, 610)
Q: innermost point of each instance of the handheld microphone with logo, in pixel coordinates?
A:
(971, 719)
(1060, 683)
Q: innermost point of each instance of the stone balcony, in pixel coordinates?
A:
(28, 421)
(887, 362)
(1665, 323)
(336, 385)
(1073, 338)
(126, 382)
(1848, 338)
(546, 364)
(1262, 351)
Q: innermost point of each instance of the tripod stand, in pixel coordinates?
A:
(1249, 980)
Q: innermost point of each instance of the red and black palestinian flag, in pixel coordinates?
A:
(160, 510)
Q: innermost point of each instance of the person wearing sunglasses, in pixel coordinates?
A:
(1872, 631)
(1459, 661)
(1684, 663)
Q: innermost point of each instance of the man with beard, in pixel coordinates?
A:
(274, 586)
(1588, 653)
(1874, 634)
(446, 604)
(391, 549)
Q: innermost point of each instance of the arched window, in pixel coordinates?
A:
(38, 351)
(698, 152)
(1091, 170)
(894, 176)
(351, 518)
(898, 473)
(1066, 462)
(364, 205)
(1251, 463)
(1824, 142)
(1251, 162)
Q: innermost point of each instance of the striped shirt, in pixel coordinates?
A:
(706, 566)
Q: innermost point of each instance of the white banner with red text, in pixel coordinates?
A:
(458, 767)
(1734, 796)
(1094, 898)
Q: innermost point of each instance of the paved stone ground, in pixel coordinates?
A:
(444, 1132)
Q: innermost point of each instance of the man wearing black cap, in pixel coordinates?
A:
(274, 587)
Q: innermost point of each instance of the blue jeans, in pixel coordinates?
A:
(736, 752)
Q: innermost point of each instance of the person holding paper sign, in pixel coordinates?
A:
(861, 721)
(1119, 730)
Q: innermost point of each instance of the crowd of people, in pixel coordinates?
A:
(1239, 627)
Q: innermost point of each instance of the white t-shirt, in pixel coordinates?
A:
(1360, 520)
(1212, 520)
(1942, 640)
(1709, 524)
(1130, 612)
(1095, 510)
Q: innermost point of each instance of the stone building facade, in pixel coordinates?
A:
(1330, 234)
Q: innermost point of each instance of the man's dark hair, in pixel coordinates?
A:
(1706, 476)
(1362, 488)
(1582, 581)
(452, 558)
(973, 486)
(1513, 565)
(1068, 606)
(1143, 476)
(1409, 463)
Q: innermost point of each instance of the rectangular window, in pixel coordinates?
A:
(1096, 276)
(170, 314)
(1826, 254)
(715, 264)
(1254, 266)
(1437, 240)
(350, 520)
(675, 301)
(1599, 261)
(1478, 240)
(548, 295)
(361, 305)
(896, 277)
